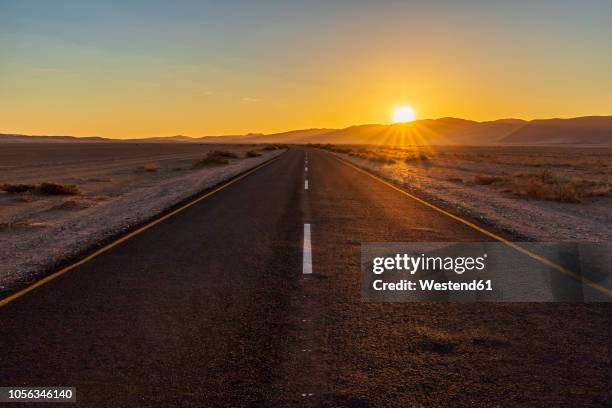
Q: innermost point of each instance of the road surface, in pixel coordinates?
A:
(211, 308)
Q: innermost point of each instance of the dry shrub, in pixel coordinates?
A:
(224, 153)
(213, 158)
(372, 156)
(252, 153)
(151, 167)
(270, 147)
(148, 168)
(333, 148)
(57, 189)
(99, 180)
(72, 205)
(43, 188)
(420, 156)
(544, 186)
(484, 180)
(381, 159)
(17, 188)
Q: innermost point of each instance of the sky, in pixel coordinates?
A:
(156, 68)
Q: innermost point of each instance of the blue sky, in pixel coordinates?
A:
(137, 68)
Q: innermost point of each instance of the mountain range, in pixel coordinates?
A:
(586, 130)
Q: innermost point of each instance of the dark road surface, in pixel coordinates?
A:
(210, 308)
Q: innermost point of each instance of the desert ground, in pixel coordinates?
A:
(94, 191)
(535, 193)
(141, 323)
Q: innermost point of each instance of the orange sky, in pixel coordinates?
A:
(203, 68)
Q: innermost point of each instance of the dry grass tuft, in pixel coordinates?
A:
(43, 188)
(332, 148)
(545, 185)
(419, 156)
(148, 168)
(99, 180)
(373, 156)
(72, 205)
(216, 157)
(252, 153)
(57, 189)
(484, 180)
(224, 153)
(17, 188)
(151, 167)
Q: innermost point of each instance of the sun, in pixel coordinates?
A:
(403, 114)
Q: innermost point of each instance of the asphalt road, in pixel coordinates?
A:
(210, 308)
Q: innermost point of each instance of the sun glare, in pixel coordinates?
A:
(403, 114)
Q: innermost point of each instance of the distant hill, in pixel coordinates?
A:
(160, 139)
(443, 131)
(293, 136)
(583, 130)
(13, 138)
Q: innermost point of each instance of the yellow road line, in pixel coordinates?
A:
(113, 244)
(511, 244)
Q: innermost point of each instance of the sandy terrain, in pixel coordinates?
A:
(538, 193)
(120, 185)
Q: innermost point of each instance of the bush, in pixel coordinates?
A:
(270, 148)
(487, 179)
(381, 159)
(334, 148)
(252, 153)
(211, 159)
(43, 188)
(420, 156)
(546, 186)
(57, 189)
(17, 188)
(149, 168)
(224, 153)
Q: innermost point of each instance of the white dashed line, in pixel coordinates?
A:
(307, 261)
(305, 184)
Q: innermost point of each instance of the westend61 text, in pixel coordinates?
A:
(432, 285)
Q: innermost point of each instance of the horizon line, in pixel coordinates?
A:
(301, 129)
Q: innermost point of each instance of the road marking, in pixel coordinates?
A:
(113, 244)
(307, 258)
(511, 244)
(305, 184)
(306, 169)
